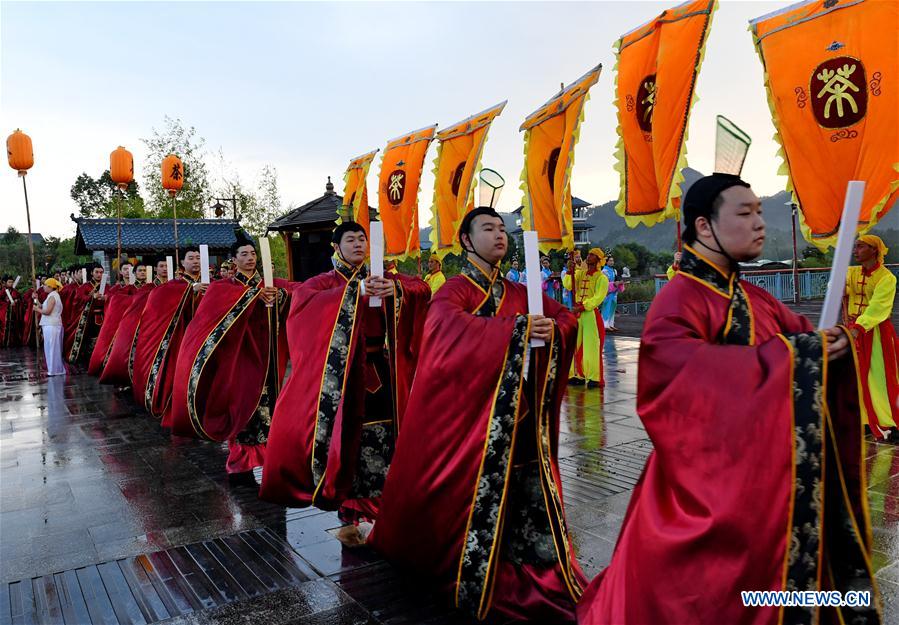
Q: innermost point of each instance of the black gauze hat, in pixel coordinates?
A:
(701, 197)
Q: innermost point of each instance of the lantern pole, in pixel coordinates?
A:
(119, 229)
(793, 208)
(31, 252)
(175, 222)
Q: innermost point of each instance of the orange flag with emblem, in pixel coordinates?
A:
(455, 177)
(398, 183)
(832, 78)
(550, 134)
(654, 91)
(355, 190)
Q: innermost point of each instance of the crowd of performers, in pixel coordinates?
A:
(419, 411)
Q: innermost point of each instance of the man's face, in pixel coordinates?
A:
(191, 263)
(433, 265)
(863, 252)
(353, 247)
(515, 265)
(245, 259)
(9, 283)
(488, 238)
(592, 260)
(610, 261)
(577, 256)
(545, 263)
(126, 271)
(97, 274)
(141, 272)
(739, 225)
(162, 270)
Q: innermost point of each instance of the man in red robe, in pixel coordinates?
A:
(161, 271)
(474, 494)
(116, 302)
(10, 304)
(231, 363)
(83, 317)
(30, 320)
(336, 421)
(167, 313)
(119, 365)
(756, 481)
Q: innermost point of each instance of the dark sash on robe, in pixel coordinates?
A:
(230, 366)
(335, 424)
(474, 494)
(118, 300)
(168, 311)
(82, 324)
(119, 365)
(756, 481)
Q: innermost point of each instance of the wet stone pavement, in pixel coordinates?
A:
(104, 518)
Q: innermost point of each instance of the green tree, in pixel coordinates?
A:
(174, 138)
(61, 253)
(257, 206)
(100, 197)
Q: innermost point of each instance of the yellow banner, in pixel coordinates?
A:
(398, 184)
(455, 177)
(830, 74)
(355, 191)
(550, 134)
(654, 91)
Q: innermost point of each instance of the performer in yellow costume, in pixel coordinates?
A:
(870, 293)
(590, 288)
(435, 277)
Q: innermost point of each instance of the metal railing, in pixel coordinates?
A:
(779, 282)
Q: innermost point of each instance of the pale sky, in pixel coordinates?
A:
(306, 86)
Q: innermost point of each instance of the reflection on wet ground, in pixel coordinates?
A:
(105, 518)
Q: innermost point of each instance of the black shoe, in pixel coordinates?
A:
(246, 478)
(592, 384)
(575, 382)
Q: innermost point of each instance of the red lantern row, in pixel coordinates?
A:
(20, 155)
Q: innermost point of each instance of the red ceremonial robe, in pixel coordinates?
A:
(30, 317)
(334, 427)
(69, 316)
(169, 309)
(82, 324)
(229, 369)
(756, 481)
(119, 365)
(474, 494)
(10, 329)
(118, 299)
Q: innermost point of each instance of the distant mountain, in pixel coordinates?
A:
(609, 229)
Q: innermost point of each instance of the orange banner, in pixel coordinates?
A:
(355, 191)
(551, 132)
(831, 75)
(654, 90)
(455, 177)
(400, 176)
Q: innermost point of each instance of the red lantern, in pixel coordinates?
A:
(172, 174)
(19, 152)
(121, 167)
